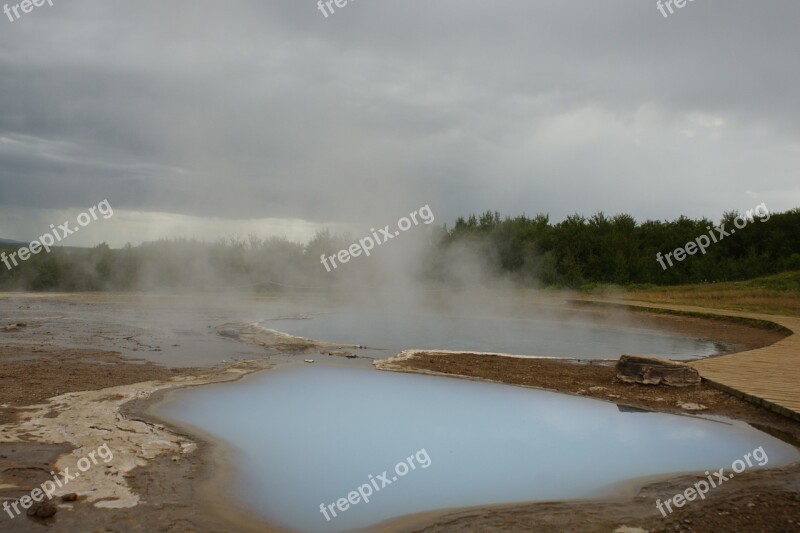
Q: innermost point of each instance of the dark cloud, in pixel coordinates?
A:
(267, 109)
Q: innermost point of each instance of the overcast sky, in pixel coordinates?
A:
(199, 118)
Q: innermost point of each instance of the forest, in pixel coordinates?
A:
(530, 251)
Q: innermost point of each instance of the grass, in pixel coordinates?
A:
(775, 295)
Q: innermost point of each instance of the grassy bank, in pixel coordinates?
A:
(777, 295)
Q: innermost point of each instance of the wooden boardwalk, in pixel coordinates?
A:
(766, 376)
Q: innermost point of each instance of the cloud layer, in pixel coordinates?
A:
(241, 110)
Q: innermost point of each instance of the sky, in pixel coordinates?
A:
(211, 119)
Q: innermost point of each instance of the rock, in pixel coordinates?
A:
(692, 406)
(597, 389)
(308, 360)
(42, 510)
(349, 355)
(649, 370)
(71, 497)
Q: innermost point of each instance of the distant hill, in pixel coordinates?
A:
(11, 243)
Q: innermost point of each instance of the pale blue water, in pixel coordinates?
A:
(538, 335)
(310, 435)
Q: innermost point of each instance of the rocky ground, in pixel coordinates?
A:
(58, 402)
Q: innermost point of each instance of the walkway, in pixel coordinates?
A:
(767, 376)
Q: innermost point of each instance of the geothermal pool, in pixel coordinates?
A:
(305, 436)
(180, 330)
(539, 335)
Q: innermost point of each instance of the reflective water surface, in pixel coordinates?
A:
(533, 335)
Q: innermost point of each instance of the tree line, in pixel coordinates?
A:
(618, 250)
(478, 248)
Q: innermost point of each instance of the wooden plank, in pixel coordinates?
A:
(768, 376)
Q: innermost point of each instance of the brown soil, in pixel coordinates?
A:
(29, 375)
(170, 499)
(593, 379)
(169, 490)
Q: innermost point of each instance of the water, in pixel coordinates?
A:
(310, 435)
(538, 335)
(178, 330)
